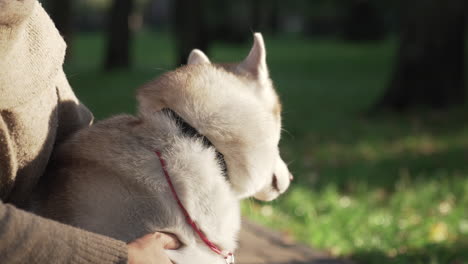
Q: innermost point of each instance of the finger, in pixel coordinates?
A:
(169, 241)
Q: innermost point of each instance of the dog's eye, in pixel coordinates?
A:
(274, 183)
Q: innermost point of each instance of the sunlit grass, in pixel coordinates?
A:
(415, 215)
(376, 188)
(390, 193)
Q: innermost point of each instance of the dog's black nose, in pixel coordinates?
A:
(274, 183)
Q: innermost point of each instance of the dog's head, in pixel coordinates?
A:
(236, 107)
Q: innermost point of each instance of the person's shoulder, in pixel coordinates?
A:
(14, 11)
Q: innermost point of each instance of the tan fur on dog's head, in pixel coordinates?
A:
(236, 107)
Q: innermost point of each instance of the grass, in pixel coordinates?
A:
(379, 189)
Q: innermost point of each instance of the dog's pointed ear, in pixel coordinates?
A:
(255, 63)
(197, 57)
(152, 96)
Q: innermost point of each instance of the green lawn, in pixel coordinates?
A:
(379, 189)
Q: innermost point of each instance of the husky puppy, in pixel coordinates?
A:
(216, 126)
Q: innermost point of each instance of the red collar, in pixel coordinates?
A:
(228, 256)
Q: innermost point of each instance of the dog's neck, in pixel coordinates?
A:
(191, 132)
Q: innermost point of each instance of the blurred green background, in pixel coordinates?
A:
(375, 119)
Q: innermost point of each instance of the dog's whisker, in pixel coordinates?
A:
(288, 133)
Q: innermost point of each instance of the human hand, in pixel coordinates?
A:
(149, 249)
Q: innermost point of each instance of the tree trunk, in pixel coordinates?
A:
(363, 21)
(264, 16)
(273, 19)
(189, 27)
(429, 69)
(256, 15)
(119, 35)
(61, 13)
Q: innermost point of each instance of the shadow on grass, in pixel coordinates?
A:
(380, 153)
(389, 173)
(456, 253)
(320, 261)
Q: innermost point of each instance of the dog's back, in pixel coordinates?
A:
(108, 179)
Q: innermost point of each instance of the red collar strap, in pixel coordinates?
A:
(228, 256)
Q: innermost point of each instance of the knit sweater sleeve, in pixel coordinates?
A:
(37, 109)
(27, 238)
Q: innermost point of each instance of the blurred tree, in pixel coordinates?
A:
(61, 13)
(91, 15)
(264, 16)
(429, 69)
(352, 19)
(273, 19)
(229, 21)
(257, 14)
(157, 14)
(189, 26)
(119, 35)
(363, 21)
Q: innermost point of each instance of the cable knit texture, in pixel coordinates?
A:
(38, 110)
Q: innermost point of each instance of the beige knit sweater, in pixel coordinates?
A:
(38, 109)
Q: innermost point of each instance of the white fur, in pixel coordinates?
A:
(110, 181)
(197, 57)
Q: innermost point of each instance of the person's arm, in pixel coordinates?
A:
(37, 110)
(27, 238)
